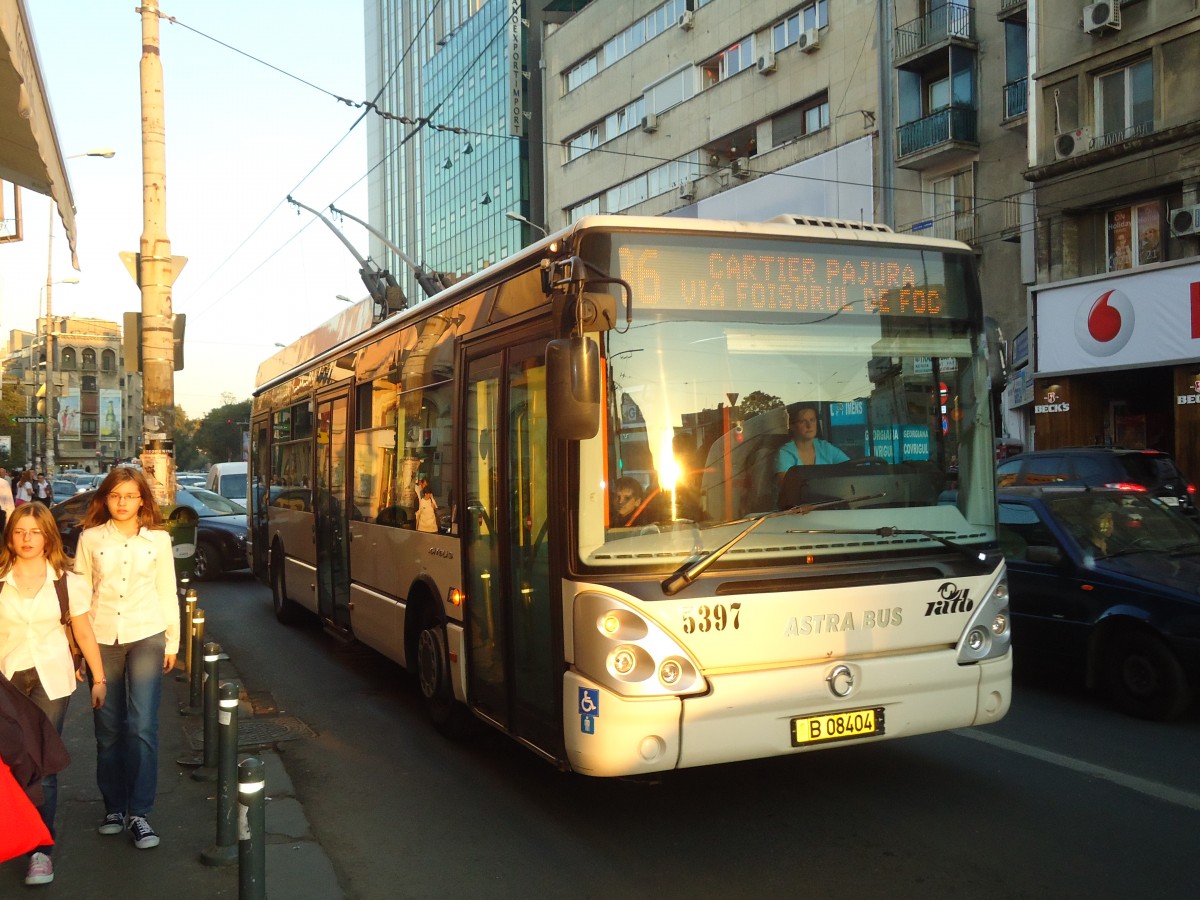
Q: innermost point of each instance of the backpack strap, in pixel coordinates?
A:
(64, 606)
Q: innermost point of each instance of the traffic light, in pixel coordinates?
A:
(131, 340)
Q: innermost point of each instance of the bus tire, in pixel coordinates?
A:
(1144, 678)
(285, 609)
(433, 675)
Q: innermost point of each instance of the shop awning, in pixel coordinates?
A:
(29, 152)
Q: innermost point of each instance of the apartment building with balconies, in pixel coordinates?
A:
(1114, 131)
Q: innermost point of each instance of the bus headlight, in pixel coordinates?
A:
(987, 635)
(632, 655)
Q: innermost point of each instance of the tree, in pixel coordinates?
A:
(756, 402)
(187, 455)
(14, 403)
(219, 434)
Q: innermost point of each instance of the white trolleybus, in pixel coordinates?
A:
(618, 563)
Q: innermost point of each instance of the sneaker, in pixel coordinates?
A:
(114, 823)
(144, 837)
(40, 871)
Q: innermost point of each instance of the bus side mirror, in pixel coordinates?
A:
(573, 387)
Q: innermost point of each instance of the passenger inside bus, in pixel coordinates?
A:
(631, 504)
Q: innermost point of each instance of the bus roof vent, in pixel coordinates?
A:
(820, 222)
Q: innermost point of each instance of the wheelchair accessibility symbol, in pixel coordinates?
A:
(589, 701)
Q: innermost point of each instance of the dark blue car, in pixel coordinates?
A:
(1108, 582)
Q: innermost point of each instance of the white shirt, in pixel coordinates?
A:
(133, 581)
(32, 635)
(6, 496)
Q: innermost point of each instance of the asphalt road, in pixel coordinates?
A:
(1064, 798)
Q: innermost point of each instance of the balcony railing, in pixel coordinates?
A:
(944, 22)
(1016, 98)
(955, 226)
(954, 123)
(1006, 5)
(1120, 136)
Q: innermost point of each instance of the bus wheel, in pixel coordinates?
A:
(433, 674)
(1144, 677)
(285, 609)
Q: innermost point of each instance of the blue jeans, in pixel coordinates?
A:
(127, 725)
(28, 683)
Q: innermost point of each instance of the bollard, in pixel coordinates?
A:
(197, 658)
(189, 611)
(212, 662)
(252, 849)
(225, 851)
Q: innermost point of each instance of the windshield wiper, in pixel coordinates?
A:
(690, 572)
(1185, 547)
(974, 556)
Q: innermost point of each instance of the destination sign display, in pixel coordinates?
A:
(732, 274)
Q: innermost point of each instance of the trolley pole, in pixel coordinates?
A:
(156, 274)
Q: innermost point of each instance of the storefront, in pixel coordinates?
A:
(1116, 361)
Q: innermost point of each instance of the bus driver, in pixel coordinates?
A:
(805, 448)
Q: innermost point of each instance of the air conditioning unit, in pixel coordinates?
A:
(1185, 221)
(766, 62)
(1072, 143)
(687, 20)
(809, 40)
(740, 167)
(650, 123)
(1101, 17)
(687, 190)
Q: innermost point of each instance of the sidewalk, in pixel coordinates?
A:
(90, 865)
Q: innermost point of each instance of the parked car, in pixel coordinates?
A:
(220, 535)
(1138, 470)
(229, 479)
(63, 488)
(1105, 582)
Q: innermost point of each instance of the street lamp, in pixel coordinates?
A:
(517, 217)
(50, 451)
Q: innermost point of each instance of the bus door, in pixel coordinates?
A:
(331, 503)
(513, 657)
(260, 493)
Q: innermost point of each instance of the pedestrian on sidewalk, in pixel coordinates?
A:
(126, 556)
(34, 653)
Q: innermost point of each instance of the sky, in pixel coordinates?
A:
(240, 137)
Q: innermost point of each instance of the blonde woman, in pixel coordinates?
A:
(126, 557)
(34, 653)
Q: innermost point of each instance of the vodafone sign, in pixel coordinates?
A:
(1150, 318)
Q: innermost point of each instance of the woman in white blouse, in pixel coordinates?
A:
(34, 653)
(126, 556)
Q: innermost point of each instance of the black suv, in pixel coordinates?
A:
(1112, 467)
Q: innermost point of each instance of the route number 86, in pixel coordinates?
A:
(711, 618)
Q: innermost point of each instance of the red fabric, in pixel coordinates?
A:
(21, 827)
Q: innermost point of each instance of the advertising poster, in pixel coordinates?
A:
(110, 414)
(68, 414)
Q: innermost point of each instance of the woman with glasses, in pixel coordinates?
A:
(126, 556)
(34, 653)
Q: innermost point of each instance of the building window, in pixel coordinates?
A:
(1133, 235)
(729, 62)
(954, 206)
(88, 384)
(622, 44)
(1124, 103)
(108, 361)
(787, 32)
(804, 118)
(67, 360)
(89, 359)
(671, 91)
(87, 425)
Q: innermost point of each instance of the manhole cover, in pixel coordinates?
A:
(256, 732)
